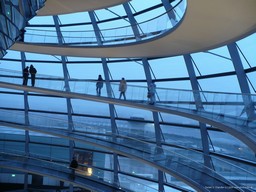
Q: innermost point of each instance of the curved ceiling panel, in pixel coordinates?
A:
(58, 7)
(206, 25)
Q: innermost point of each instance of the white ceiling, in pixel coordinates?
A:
(207, 24)
(58, 7)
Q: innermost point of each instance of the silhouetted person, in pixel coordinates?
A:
(25, 75)
(22, 34)
(99, 85)
(32, 71)
(1, 10)
(73, 166)
(122, 88)
(151, 93)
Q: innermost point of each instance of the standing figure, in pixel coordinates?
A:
(73, 165)
(122, 88)
(32, 71)
(22, 34)
(151, 93)
(99, 85)
(25, 75)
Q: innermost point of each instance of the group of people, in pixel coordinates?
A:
(123, 88)
(99, 84)
(32, 71)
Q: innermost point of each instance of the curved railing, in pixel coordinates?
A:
(226, 111)
(161, 156)
(97, 174)
(58, 171)
(183, 105)
(184, 100)
(233, 106)
(147, 29)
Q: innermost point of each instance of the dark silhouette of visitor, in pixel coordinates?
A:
(122, 88)
(1, 9)
(22, 34)
(99, 85)
(151, 93)
(73, 166)
(25, 75)
(32, 71)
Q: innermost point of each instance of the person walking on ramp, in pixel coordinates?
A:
(25, 75)
(122, 88)
(32, 71)
(99, 85)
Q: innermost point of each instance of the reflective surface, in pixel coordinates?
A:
(221, 104)
(132, 147)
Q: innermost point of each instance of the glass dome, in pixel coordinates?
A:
(203, 112)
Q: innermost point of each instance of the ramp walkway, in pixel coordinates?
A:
(189, 171)
(29, 164)
(225, 111)
(205, 25)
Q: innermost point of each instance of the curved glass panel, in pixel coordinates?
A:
(160, 155)
(203, 117)
(152, 27)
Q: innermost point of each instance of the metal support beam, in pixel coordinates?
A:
(249, 108)
(146, 66)
(65, 73)
(199, 106)
(26, 108)
(66, 88)
(109, 93)
(171, 13)
(156, 125)
(132, 20)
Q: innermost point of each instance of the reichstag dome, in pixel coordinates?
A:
(127, 96)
